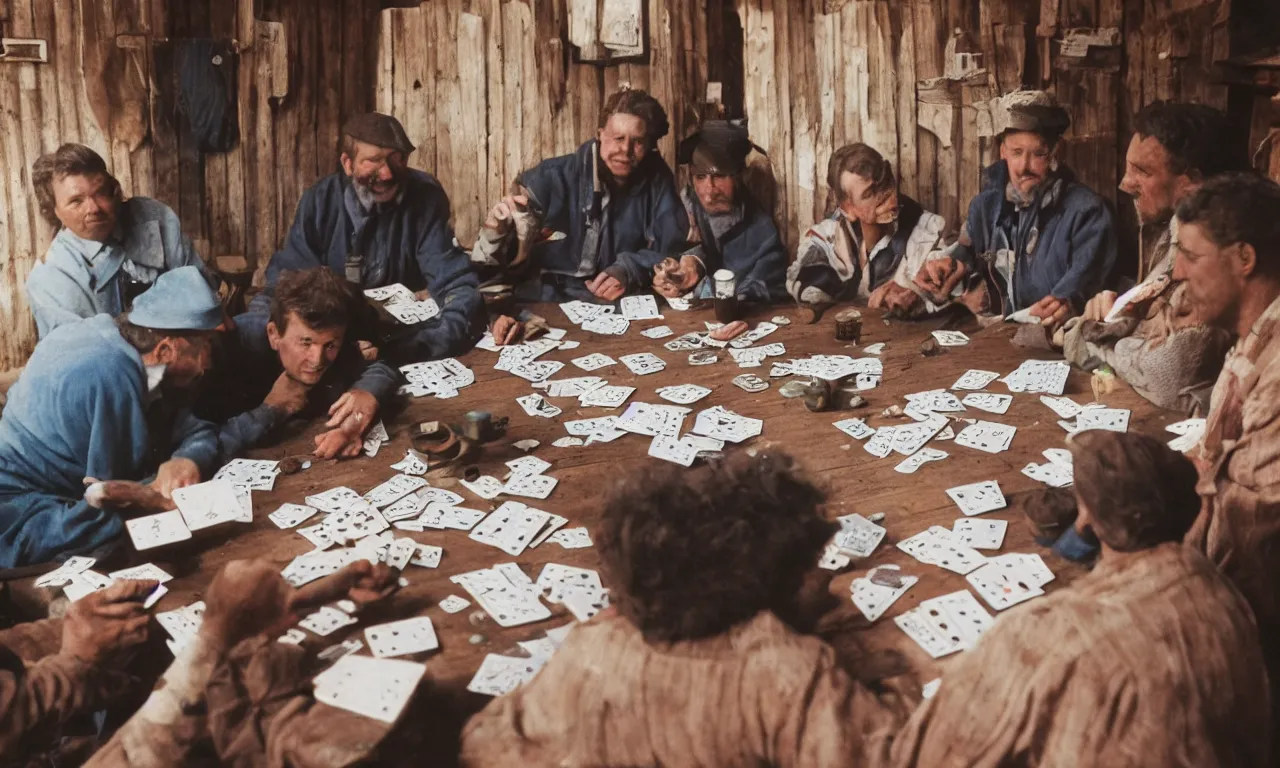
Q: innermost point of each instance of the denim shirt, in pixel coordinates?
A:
(81, 278)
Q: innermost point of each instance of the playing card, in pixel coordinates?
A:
(84, 583)
(910, 438)
(764, 328)
(510, 527)
(607, 324)
(723, 424)
(648, 419)
(925, 634)
(572, 387)
(1059, 456)
(144, 572)
(157, 530)
(935, 400)
(500, 675)
(985, 401)
(485, 486)
(337, 499)
(855, 428)
(683, 394)
(509, 604)
(453, 604)
(1186, 426)
(1039, 376)
(410, 506)
(1110, 419)
(1064, 407)
(536, 405)
(585, 604)
(326, 621)
(457, 518)
(394, 293)
(951, 338)
(528, 465)
(357, 522)
(291, 515)
(672, 449)
(401, 638)
(918, 459)
(63, 573)
(594, 361)
(686, 343)
(957, 616)
(567, 442)
(979, 532)
(703, 357)
(873, 599)
(978, 498)
(207, 504)
(579, 312)
(393, 490)
(250, 474)
(657, 332)
(556, 579)
(1025, 567)
(643, 363)
(975, 379)
(1049, 473)
(750, 383)
(293, 636)
(571, 538)
(643, 307)
(858, 536)
(881, 443)
(999, 591)
(988, 436)
(537, 370)
(554, 523)
(874, 349)
(401, 552)
(530, 486)
(606, 397)
(372, 687)
(319, 536)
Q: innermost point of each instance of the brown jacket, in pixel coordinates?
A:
(759, 695)
(1149, 661)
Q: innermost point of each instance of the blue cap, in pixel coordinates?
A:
(179, 300)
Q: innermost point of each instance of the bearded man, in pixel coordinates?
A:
(378, 222)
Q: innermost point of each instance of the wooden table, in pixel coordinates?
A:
(858, 482)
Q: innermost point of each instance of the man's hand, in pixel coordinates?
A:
(246, 598)
(1052, 311)
(368, 351)
(288, 395)
(361, 582)
(506, 213)
(506, 330)
(892, 297)
(606, 287)
(1100, 306)
(941, 276)
(354, 404)
(673, 278)
(339, 443)
(106, 622)
(173, 474)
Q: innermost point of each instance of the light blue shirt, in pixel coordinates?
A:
(81, 278)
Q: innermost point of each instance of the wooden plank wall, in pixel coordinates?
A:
(488, 87)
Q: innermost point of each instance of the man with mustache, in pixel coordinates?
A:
(314, 368)
(1156, 341)
(104, 399)
(730, 228)
(562, 232)
(378, 222)
(1035, 239)
(1229, 259)
(107, 249)
(872, 245)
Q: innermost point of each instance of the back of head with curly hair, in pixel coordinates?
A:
(690, 553)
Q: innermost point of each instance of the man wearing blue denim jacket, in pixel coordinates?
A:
(730, 229)
(1035, 238)
(107, 250)
(378, 222)
(569, 221)
(103, 399)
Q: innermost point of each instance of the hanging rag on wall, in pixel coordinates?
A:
(207, 81)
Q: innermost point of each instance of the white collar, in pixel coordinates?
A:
(155, 375)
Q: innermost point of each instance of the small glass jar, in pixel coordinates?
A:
(726, 285)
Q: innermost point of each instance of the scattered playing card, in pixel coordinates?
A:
(985, 401)
(426, 556)
(393, 490)
(874, 349)
(510, 527)
(607, 324)
(673, 449)
(657, 332)
(144, 572)
(528, 465)
(980, 532)
(858, 536)
(413, 463)
(975, 379)
(999, 589)
(683, 394)
(919, 459)
(987, 436)
(567, 442)
(1110, 419)
(485, 486)
(510, 604)
(536, 405)
(873, 599)
(855, 428)
(571, 538)
(530, 486)
(207, 504)
(402, 638)
(1064, 407)
(951, 338)
(372, 687)
(643, 363)
(606, 397)
(978, 498)
(643, 307)
(63, 573)
(593, 362)
(157, 530)
(326, 621)
(1050, 473)
(453, 604)
(750, 382)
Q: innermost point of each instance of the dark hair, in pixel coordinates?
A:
(146, 339)
(318, 296)
(642, 105)
(1239, 208)
(1196, 136)
(1139, 491)
(66, 160)
(691, 553)
(863, 161)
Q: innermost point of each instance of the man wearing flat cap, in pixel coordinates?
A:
(378, 222)
(730, 228)
(1035, 238)
(101, 398)
(569, 220)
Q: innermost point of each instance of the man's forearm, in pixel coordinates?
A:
(240, 433)
(49, 693)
